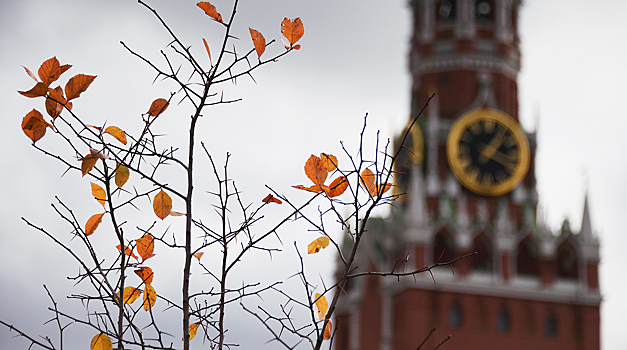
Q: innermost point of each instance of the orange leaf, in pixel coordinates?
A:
(150, 297)
(210, 10)
(270, 199)
(162, 205)
(92, 223)
(320, 243)
(117, 133)
(193, 329)
(99, 193)
(198, 255)
(322, 305)
(314, 188)
(130, 295)
(329, 161)
(101, 342)
(54, 108)
(337, 187)
(40, 89)
(259, 41)
(207, 48)
(64, 68)
(145, 246)
(157, 107)
(146, 274)
(121, 175)
(176, 213)
(34, 125)
(87, 163)
(296, 47)
(77, 85)
(368, 180)
(292, 30)
(49, 71)
(327, 331)
(384, 187)
(127, 251)
(315, 170)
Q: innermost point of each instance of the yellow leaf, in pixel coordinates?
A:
(117, 133)
(193, 329)
(322, 305)
(92, 223)
(130, 295)
(145, 246)
(99, 193)
(319, 243)
(121, 175)
(150, 297)
(101, 342)
(162, 205)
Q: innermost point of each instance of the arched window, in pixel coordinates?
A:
(443, 249)
(567, 265)
(550, 325)
(484, 10)
(527, 259)
(455, 316)
(483, 260)
(446, 10)
(502, 321)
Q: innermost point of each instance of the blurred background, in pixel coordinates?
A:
(353, 61)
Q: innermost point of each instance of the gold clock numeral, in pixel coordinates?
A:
(474, 172)
(466, 136)
(475, 128)
(488, 125)
(500, 176)
(487, 179)
(464, 160)
(464, 150)
(509, 141)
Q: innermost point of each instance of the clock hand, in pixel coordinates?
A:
(507, 161)
(488, 151)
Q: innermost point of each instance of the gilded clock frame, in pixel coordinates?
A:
(518, 134)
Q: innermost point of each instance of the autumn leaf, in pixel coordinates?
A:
(49, 71)
(368, 180)
(315, 170)
(87, 163)
(40, 89)
(121, 175)
(314, 188)
(329, 161)
(327, 331)
(337, 187)
(157, 107)
(208, 51)
(30, 74)
(101, 342)
(322, 305)
(150, 297)
(162, 204)
(210, 10)
(198, 255)
(97, 154)
(130, 295)
(127, 251)
(77, 85)
(34, 125)
(99, 193)
(320, 243)
(145, 246)
(270, 199)
(259, 41)
(146, 274)
(193, 329)
(292, 30)
(92, 223)
(117, 133)
(176, 213)
(53, 107)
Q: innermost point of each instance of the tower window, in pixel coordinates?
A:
(567, 264)
(455, 316)
(484, 10)
(502, 322)
(550, 325)
(482, 261)
(446, 10)
(527, 259)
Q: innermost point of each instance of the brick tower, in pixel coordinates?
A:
(469, 186)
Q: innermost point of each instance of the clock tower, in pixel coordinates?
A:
(468, 185)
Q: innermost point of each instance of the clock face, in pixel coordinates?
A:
(488, 151)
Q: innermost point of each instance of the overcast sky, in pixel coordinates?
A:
(353, 61)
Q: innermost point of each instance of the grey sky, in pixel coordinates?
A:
(353, 61)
